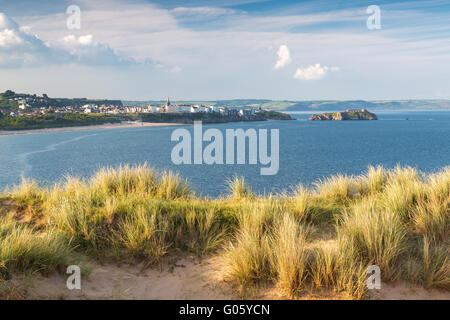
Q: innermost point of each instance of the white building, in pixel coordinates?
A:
(151, 109)
(185, 109)
(89, 106)
(23, 105)
(246, 112)
(223, 110)
(172, 109)
(131, 109)
(201, 109)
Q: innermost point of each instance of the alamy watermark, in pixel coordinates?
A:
(74, 280)
(374, 20)
(234, 153)
(74, 20)
(374, 279)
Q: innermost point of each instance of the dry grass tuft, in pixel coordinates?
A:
(398, 219)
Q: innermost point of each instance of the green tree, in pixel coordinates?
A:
(8, 94)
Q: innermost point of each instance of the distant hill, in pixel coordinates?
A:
(9, 101)
(231, 103)
(372, 105)
(315, 105)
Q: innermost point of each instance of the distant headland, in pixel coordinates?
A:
(349, 114)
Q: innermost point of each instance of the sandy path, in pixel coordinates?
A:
(121, 125)
(405, 291)
(186, 279)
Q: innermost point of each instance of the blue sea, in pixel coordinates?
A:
(309, 150)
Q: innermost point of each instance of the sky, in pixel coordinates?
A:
(211, 50)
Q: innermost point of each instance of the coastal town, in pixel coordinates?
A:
(19, 111)
(26, 107)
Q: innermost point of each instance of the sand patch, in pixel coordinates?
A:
(405, 291)
(183, 280)
(186, 278)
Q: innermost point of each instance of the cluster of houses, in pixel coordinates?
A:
(116, 110)
(167, 108)
(25, 101)
(186, 108)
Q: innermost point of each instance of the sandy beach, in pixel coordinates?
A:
(122, 125)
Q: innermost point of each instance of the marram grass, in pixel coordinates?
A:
(316, 238)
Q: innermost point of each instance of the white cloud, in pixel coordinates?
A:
(9, 32)
(20, 48)
(176, 69)
(313, 72)
(71, 40)
(134, 29)
(85, 40)
(202, 11)
(146, 31)
(9, 38)
(6, 22)
(284, 57)
(87, 51)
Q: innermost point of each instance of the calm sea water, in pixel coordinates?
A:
(308, 150)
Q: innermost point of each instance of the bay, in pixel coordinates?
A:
(309, 150)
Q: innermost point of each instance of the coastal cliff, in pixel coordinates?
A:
(349, 114)
(212, 117)
(62, 120)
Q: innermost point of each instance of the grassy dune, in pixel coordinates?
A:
(319, 238)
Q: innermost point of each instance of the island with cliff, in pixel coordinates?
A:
(349, 114)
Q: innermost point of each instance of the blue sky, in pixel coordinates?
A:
(274, 49)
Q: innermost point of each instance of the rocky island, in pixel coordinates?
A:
(349, 114)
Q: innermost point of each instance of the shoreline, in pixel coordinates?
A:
(121, 125)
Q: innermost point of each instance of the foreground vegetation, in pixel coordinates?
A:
(308, 239)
